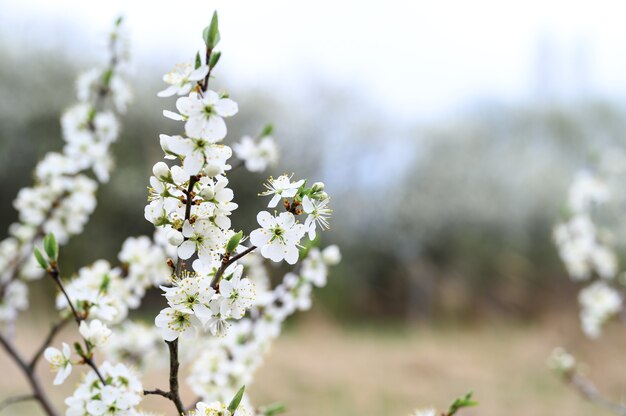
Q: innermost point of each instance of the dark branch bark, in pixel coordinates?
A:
(220, 272)
(54, 330)
(589, 391)
(38, 393)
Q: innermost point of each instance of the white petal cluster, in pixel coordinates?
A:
(257, 156)
(122, 393)
(429, 411)
(137, 344)
(194, 304)
(94, 332)
(224, 364)
(599, 302)
(219, 409)
(562, 361)
(63, 195)
(587, 253)
(144, 264)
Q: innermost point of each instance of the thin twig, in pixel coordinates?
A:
(16, 399)
(38, 392)
(588, 390)
(218, 275)
(54, 330)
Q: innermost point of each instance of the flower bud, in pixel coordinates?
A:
(318, 187)
(331, 255)
(161, 171)
(175, 237)
(321, 195)
(212, 170)
(207, 194)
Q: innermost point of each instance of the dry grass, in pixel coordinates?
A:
(321, 369)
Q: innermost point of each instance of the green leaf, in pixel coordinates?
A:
(211, 33)
(233, 243)
(42, 262)
(119, 20)
(274, 409)
(198, 61)
(106, 77)
(234, 403)
(267, 130)
(461, 402)
(51, 247)
(215, 58)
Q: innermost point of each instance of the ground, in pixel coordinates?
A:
(321, 368)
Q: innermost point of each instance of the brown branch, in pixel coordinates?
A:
(54, 330)
(38, 393)
(218, 275)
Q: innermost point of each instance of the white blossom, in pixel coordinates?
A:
(278, 237)
(281, 187)
(59, 362)
(182, 79)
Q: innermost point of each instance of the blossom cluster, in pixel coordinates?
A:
(588, 254)
(224, 364)
(63, 195)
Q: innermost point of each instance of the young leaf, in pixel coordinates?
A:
(198, 61)
(42, 262)
(215, 58)
(51, 247)
(461, 402)
(233, 243)
(234, 403)
(274, 409)
(267, 130)
(211, 33)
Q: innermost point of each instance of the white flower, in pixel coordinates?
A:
(204, 115)
(173, 323)
(257, 157)
(331, 255)
(562, 361)
(199, 154)
(281, 187)
(279, 236)
(599, 302)
(203, 237)
(318, 214)
(586, 192)
(239, 293)
(95, 332)
(182, 79)
(59, 362)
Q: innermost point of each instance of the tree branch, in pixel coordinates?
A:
(16, 399)
(589, 391)
(218, 275)
(54, 330)
(38, 393)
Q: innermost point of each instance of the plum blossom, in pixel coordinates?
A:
(182, 79)
(278, 237)
(59, 362)
(257, 156)
(281, 187)
(204, 115)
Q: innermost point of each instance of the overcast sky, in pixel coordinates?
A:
(413, 58)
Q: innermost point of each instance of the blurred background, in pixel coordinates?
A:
(447, 134)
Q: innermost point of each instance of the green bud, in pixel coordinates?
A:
(198, 60)
(267, 130)
(40, 259)
(119, 21)
(211, 33)
(215, 58)
(51, 247)
(461, 402)
(79, 349)
(234, 403)
(233, 243)
(321, 195)
(318, 186)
